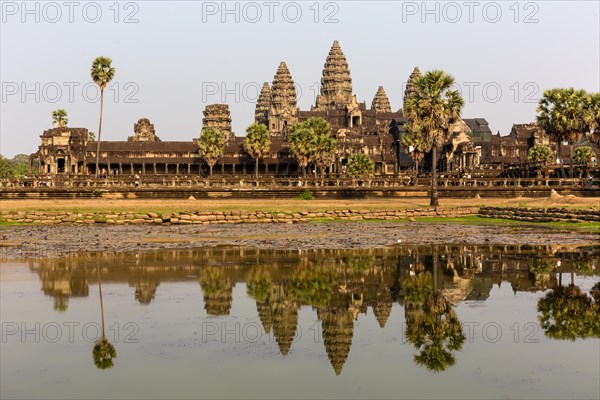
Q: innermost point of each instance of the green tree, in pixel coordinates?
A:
(583, 155)
(431, 109)
(257, 143)
(360, 165)
(59, 117)
(324, 151)
(302, 144)
(414, 144)
(102, 73)
(212, 145)
(592, 116)
(15, 168)
(311, 141)
(91, 136)
(562, 116)
(539, 154)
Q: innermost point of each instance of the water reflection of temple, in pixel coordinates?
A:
(339, 285)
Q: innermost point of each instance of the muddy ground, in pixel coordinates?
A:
(36, 241)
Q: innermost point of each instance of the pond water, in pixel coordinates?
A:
(230, 322)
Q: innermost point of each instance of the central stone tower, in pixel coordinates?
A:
(336, 87)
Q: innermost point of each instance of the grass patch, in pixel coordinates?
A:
(477, 220)
(306, 195)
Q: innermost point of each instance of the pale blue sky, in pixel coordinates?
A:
(180, 56)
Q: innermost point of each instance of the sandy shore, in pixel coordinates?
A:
(36, 241)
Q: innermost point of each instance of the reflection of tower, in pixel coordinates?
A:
(145, 291)
(383, 305)
(338, 328)
(264, 313)
(62, 280)
(285, 317)
(218, 303)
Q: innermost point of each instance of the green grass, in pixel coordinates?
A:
(477, 220)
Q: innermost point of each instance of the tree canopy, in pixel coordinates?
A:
(211, 144)
(539, 154)
(360, 165)
(257, 143)
(59, 117)
(311, 141)
(583, 155)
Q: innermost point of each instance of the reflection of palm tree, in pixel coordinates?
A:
(217, 291)
(313, 285)
(103, 351)
(432, 324)
(258, 283)
(567, 313)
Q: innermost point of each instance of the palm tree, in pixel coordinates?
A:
(592, 116)
(311, 141)
(302, 145)
(102, 73)
(257, 143)
(431, 109)
(324, 152)
(104, 352)
(59, 117)
(212, 145)
(562, 116)
(415, 146)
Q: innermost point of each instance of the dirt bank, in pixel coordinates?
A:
(54, 240)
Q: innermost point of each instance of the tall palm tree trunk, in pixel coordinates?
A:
(435, 268)
(101, 303)
(434, 194)
(99, 131)
(256, 168)
(572, 164)
(210, 169)
(416, 167)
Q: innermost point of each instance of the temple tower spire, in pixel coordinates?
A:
(261, 113)
(283, 112)
(410, 87)
(381, 103)
(336, 89)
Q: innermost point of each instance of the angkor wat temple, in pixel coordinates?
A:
(376, 131)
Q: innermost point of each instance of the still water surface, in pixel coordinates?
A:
(230, 322)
